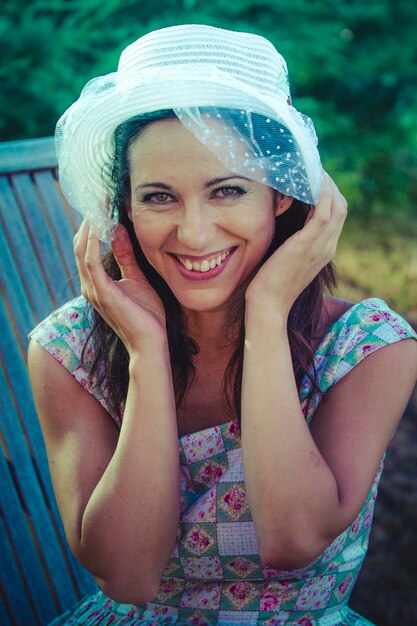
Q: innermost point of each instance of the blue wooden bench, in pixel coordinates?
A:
(39, 577)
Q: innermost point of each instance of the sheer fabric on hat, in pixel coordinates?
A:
(259, 147)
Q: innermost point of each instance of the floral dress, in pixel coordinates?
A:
(215, 575)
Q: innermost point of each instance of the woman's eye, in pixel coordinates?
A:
(156, 198)
(229, 192)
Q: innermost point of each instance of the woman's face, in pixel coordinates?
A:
(204, 229)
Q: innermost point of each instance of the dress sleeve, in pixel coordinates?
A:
(64, 335)
(364, 328)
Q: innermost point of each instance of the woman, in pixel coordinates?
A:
(190, 476)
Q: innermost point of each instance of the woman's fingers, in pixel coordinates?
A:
(328, 215)
(339, 212)
(129, 306)
(335, 211)
(320, 234)
(124, 254)
(87, 250)
(323, 208)
(80, 245)
(331, 203)
(92, 261)
(339, 204)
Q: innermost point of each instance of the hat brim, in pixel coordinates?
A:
(85, 146)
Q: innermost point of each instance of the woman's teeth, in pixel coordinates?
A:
(205, 265)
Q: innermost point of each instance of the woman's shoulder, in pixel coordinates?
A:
(366, 316)
(73, 319)
(354, 331)
(64, 335)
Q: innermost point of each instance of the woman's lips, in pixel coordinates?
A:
(208, 268)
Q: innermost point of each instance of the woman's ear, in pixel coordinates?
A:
(282, 203)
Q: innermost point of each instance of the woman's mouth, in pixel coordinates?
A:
(209, 267)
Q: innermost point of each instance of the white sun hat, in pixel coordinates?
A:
(202, 73)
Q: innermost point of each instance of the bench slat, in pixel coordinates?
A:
(27, 155)
(19, 257)
(13, 297)
(50, 260)
(61, 230)
(65, 220)
(16, 606)
(31, 579)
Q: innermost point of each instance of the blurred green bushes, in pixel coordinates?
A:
(353, 68)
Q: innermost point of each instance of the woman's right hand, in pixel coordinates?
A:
(130, 306)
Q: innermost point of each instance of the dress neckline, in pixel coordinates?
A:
(326, 337)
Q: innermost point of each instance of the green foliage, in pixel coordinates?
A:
(353, 67)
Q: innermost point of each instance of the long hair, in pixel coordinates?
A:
(111, 364)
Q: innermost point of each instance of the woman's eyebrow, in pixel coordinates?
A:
(216, 181)
(157, 184)
(210, 183)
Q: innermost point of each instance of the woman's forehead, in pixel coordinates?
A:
(169, 144)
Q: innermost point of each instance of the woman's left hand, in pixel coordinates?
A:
(289, 270)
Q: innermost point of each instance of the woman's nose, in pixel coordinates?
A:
(196, 226)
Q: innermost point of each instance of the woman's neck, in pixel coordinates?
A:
(207, 329)
(214, 331)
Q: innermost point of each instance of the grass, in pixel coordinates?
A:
(379, 260)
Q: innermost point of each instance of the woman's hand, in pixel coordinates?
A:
(282, 278)
(130, 305)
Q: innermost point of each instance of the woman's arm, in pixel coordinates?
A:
(118, 494)
(306, 486)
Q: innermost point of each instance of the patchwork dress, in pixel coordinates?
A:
(215, 575)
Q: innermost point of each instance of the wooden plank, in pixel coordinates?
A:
(15, 601)
(18, 256)
(36, 594)
(13, 298)
(62, 223)
(42, 237)
(30, 154)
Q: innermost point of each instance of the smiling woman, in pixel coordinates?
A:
(215, 423)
